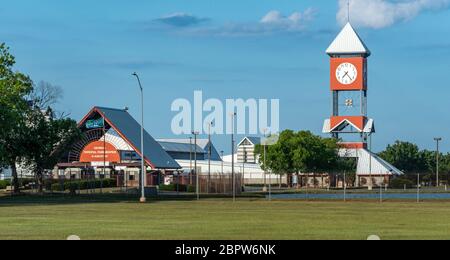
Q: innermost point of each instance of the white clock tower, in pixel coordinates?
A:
(349, 119)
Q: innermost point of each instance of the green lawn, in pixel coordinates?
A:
(57, 218)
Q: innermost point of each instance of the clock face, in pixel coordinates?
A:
(346, 73)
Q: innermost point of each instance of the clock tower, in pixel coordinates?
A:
(348, 85)
(349, 121)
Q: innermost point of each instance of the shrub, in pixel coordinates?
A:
(170, 187)
(48, 183)
(400, 183)
(191, 188)
(74, 185)
(181, 188)
(4, 184)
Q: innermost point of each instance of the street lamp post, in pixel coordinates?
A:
(197, 182)
(190, 160)
(233, 115)
(143, 170)
(437, 139)
(104, 156)
(209, 155)
(370, 163)
(223, 173)
(265, 172)
(221, 153)
(242, 186)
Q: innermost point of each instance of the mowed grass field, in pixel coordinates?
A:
(50, 218)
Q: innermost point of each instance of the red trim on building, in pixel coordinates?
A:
(361, 80)
(95, 109)
(355, 145)
(358, 121)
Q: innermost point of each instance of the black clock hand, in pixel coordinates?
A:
(349, 76)
(346, 74)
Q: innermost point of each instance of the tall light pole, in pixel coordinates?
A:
(221, 153)
(233, 115)
(242, 186)
(370, 163)
(265, 172)
(104, 156)
(223, 173)
(209, 155)
(190, 160)
(437, 139)
(143, 170)
(197, 182)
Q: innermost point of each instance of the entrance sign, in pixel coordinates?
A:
(100, 151)
(95, 123)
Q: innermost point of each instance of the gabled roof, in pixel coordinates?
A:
(348, 42)
(202, 143)
(181, 147)
(130, 130)
(370, 163)
(367, 127)
(253, 140)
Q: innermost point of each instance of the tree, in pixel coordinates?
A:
(407, 157)
(314, 154)
(412, 161)
(445, 168)
(278, 156)
(28, 130)
(45, 95)
(14, 87)
(49, 139)
(348, 166)
(300, 152)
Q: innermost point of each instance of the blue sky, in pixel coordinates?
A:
(90, 49)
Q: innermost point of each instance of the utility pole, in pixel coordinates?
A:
(197, 183)
(143, 170)
(437, 139)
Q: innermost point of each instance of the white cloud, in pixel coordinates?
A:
(272, 23)
(296, 20)
(378, 14)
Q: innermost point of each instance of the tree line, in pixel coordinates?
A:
(303, 152)
(410, 159)
(32, 133)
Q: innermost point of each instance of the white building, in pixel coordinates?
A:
(246, 150)
(252, 173)
(5, 173)
(22, 172)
